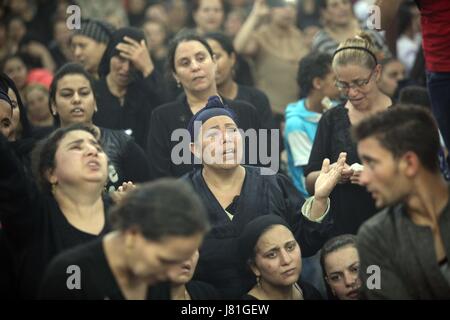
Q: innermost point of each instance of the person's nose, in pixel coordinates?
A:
(350, 279)
(126, 66)
(76, 98)
(364, 178)
(77, 52)
(352, 92)
(91, 150)
(195, 65)
(286, 258)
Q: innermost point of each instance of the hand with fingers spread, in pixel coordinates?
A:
(122, 191)
(329, 176)
(138, 54)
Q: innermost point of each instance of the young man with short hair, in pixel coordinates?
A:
(409, 240)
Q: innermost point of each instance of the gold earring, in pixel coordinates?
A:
(258, 281)
(53, 188)
(178, 84)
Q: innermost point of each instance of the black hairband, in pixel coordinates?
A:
(357, 48)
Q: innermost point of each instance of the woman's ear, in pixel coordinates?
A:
(378, 70)
(176, 80)
(254, 268)
(50, 176)
(317, 83)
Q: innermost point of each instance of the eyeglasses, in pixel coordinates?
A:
(355, 84)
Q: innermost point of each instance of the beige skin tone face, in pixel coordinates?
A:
(209, 16)
(184, 272)
(5, 118)
(120, 71)
(74, 100)
(221, 143)
(88, 52)
(15, 120)
(283, 16)
(341, 268)
(392, 73)
(37, 103)
(153, 261)
(17, 71)
(225, 62)
(338, 12)
(278, 258)
(79, 159)
(195, 69)
(384, 176)
(359, 97)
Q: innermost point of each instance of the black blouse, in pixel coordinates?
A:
(219, 263)
(351, 204)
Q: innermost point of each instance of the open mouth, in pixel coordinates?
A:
(354, 294)
(77, 112)
(93, 164)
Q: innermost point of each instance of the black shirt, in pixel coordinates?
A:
(197, 290)
(140, 99)
(259, 100)
(309, 292)
(126, 160)
(32, 223)
(96, 280)
(351, 204)
(219, 264)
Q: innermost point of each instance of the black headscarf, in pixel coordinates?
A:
(253, 231)
(111, 51)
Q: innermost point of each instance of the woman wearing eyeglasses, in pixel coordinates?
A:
(357, 72)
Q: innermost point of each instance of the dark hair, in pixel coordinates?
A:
(165, 207)
(314, 65)
(71, 68)
(43, 155)
(18, 56)
(26, 127)
(195, 5)
(415, 95)
(224, 41)
(333, 245)
(111, 50)
(404, 17)
(184, 37)
(404, 128)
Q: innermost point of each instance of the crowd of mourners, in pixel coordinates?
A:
(224, 149)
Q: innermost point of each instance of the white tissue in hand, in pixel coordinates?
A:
(357, 167)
